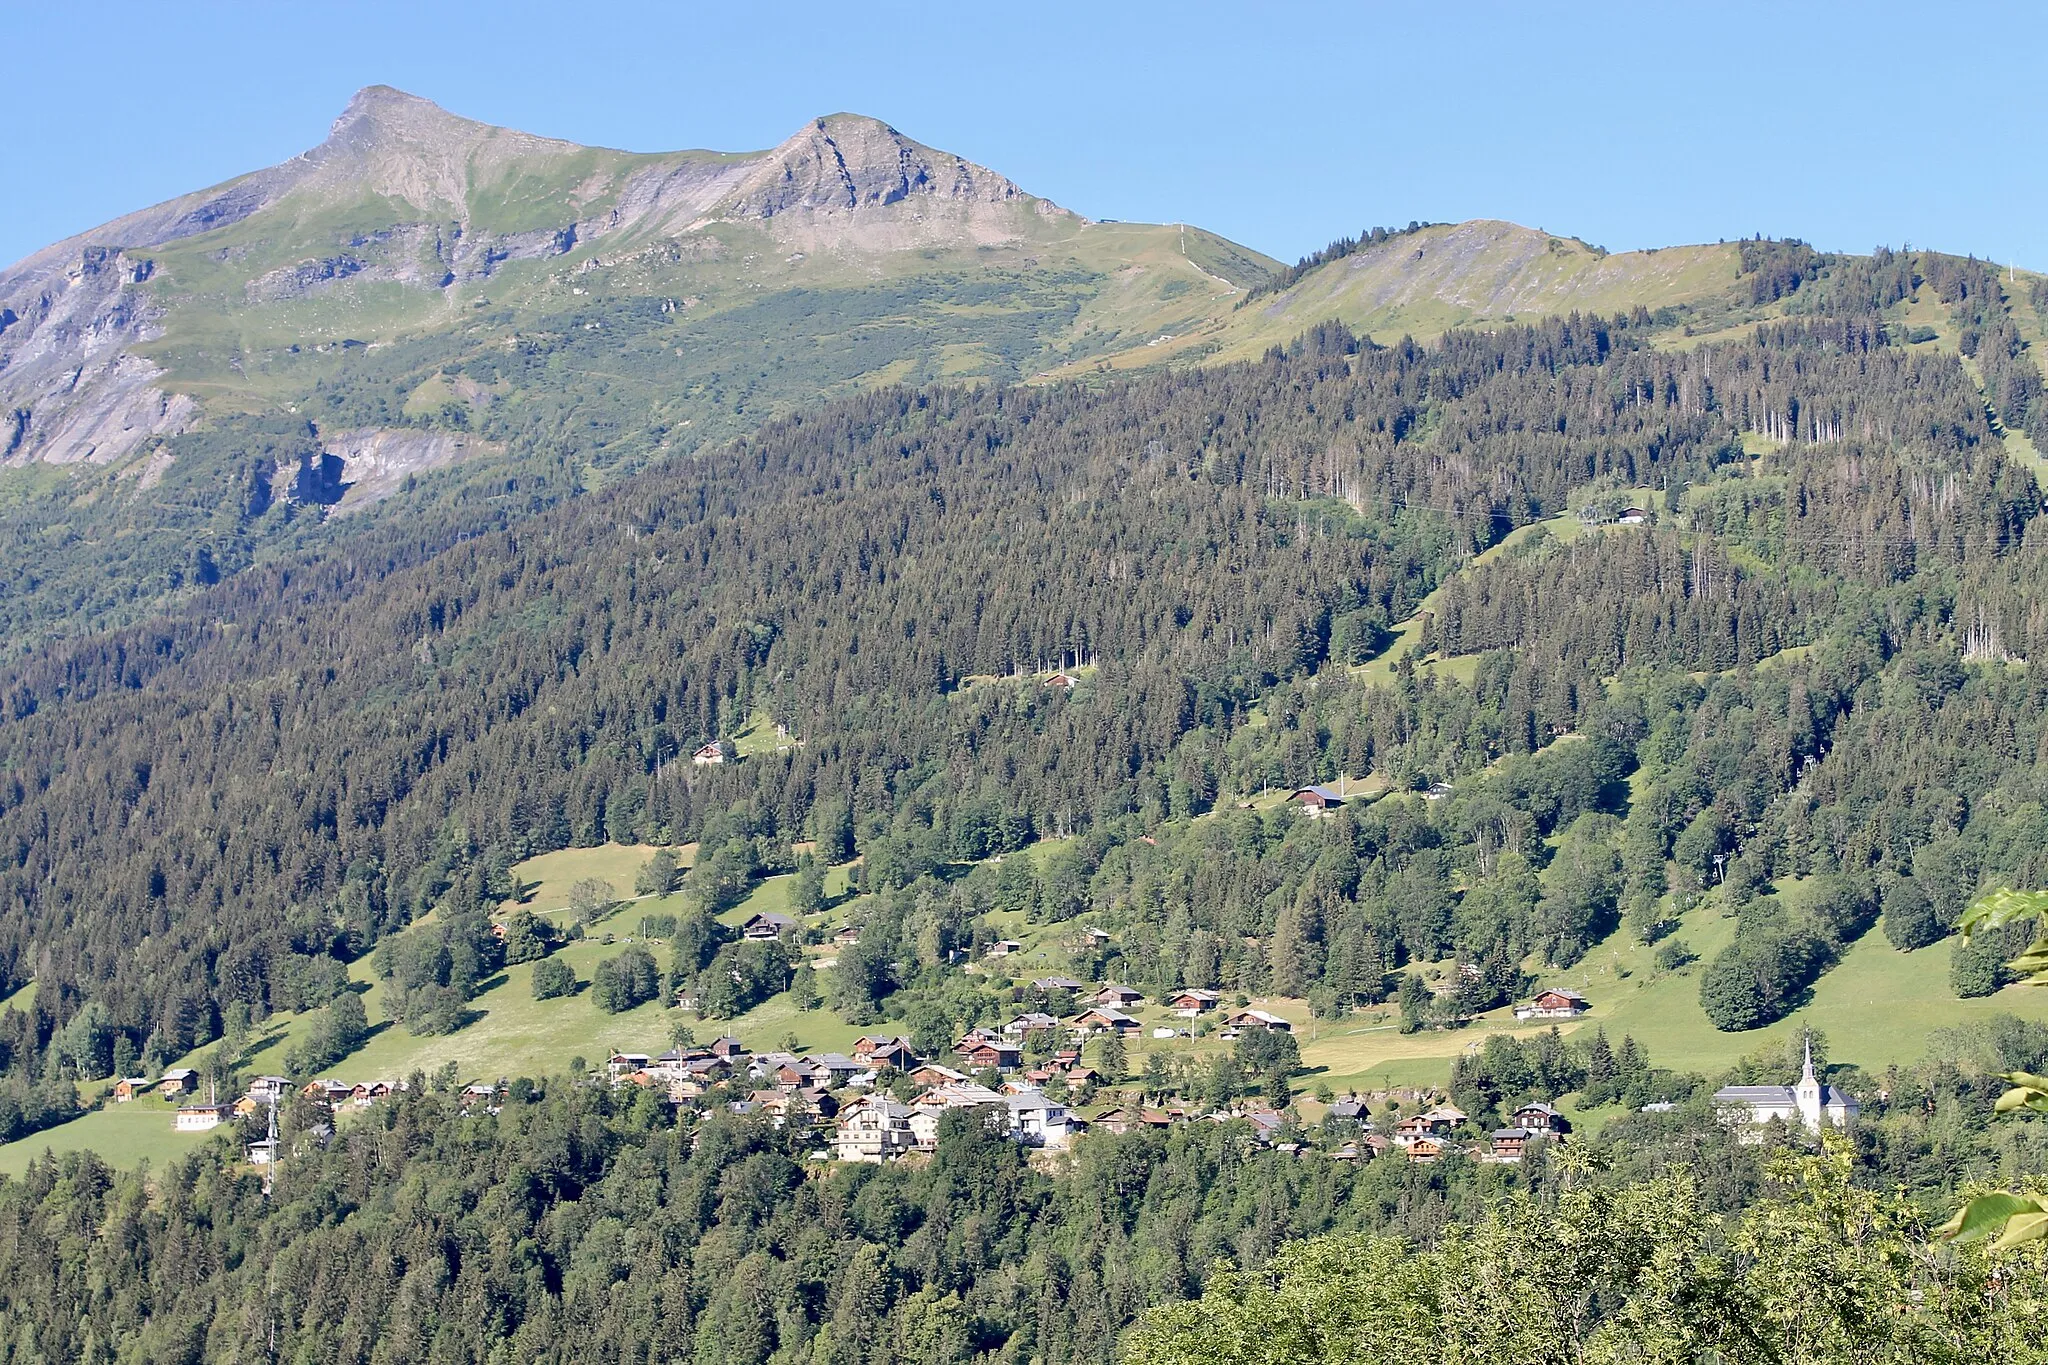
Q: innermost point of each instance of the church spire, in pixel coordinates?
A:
(1807, 1074)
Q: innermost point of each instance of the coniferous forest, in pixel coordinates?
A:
(1811, 666)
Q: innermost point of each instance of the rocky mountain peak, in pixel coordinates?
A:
(849, 162)
(409, 148)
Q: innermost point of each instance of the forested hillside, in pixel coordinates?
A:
(1787, 677)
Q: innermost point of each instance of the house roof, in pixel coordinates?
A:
(1830, 1097)
(1323, 791)
(1056, 983)
(772, 918)
(955, 1094)
(1755, 1094)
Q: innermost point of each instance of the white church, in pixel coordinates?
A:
(1808, 1103)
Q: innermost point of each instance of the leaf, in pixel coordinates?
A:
(2032, 1097)
(2002, 907)
(2022, 1228)
(1983, 1216)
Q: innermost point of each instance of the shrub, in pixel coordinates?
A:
(623, 982)
(552, 977)
(1674, 953)
(1910, 920)
(338, 1030)
(1978, 968)
(1758, 979)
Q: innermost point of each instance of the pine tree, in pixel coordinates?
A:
(1602, 1075)
(1112, 1060)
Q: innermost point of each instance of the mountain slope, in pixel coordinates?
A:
(480, 322)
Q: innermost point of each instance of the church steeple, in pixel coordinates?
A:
(1807, 1094)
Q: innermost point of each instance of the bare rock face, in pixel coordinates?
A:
(68, 388)
(845, 163)
(375, 461)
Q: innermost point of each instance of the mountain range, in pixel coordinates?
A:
(198, 385)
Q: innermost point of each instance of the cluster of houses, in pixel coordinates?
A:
(999, 1069)
(1432, 1134)
(193, 1114)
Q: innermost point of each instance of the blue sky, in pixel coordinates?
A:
(1278, 125)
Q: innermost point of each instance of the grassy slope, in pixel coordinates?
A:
(1420, 284)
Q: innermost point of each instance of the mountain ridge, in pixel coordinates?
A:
(550, 314)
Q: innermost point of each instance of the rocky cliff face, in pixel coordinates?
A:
(69, 389)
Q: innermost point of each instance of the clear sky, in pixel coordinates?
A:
(1279, 125)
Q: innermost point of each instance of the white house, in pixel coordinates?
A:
(873, 1130)
(199, 1118)
(1808, 1103)
(1037, 1121)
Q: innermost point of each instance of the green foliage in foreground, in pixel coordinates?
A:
(580, 1224)
(1820, 1272)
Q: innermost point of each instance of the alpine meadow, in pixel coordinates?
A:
(805, 757)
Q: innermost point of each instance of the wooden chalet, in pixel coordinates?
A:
(1105, 1019)
(1540, 1118)
(128, 1087)
(768, 926)
(1553, 1004)
(1425, 1150)
(1318, 799)
(1244, 1019)
(990, 1053)
(1508, 1144)
(1190, 1003)
(200, 1118)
